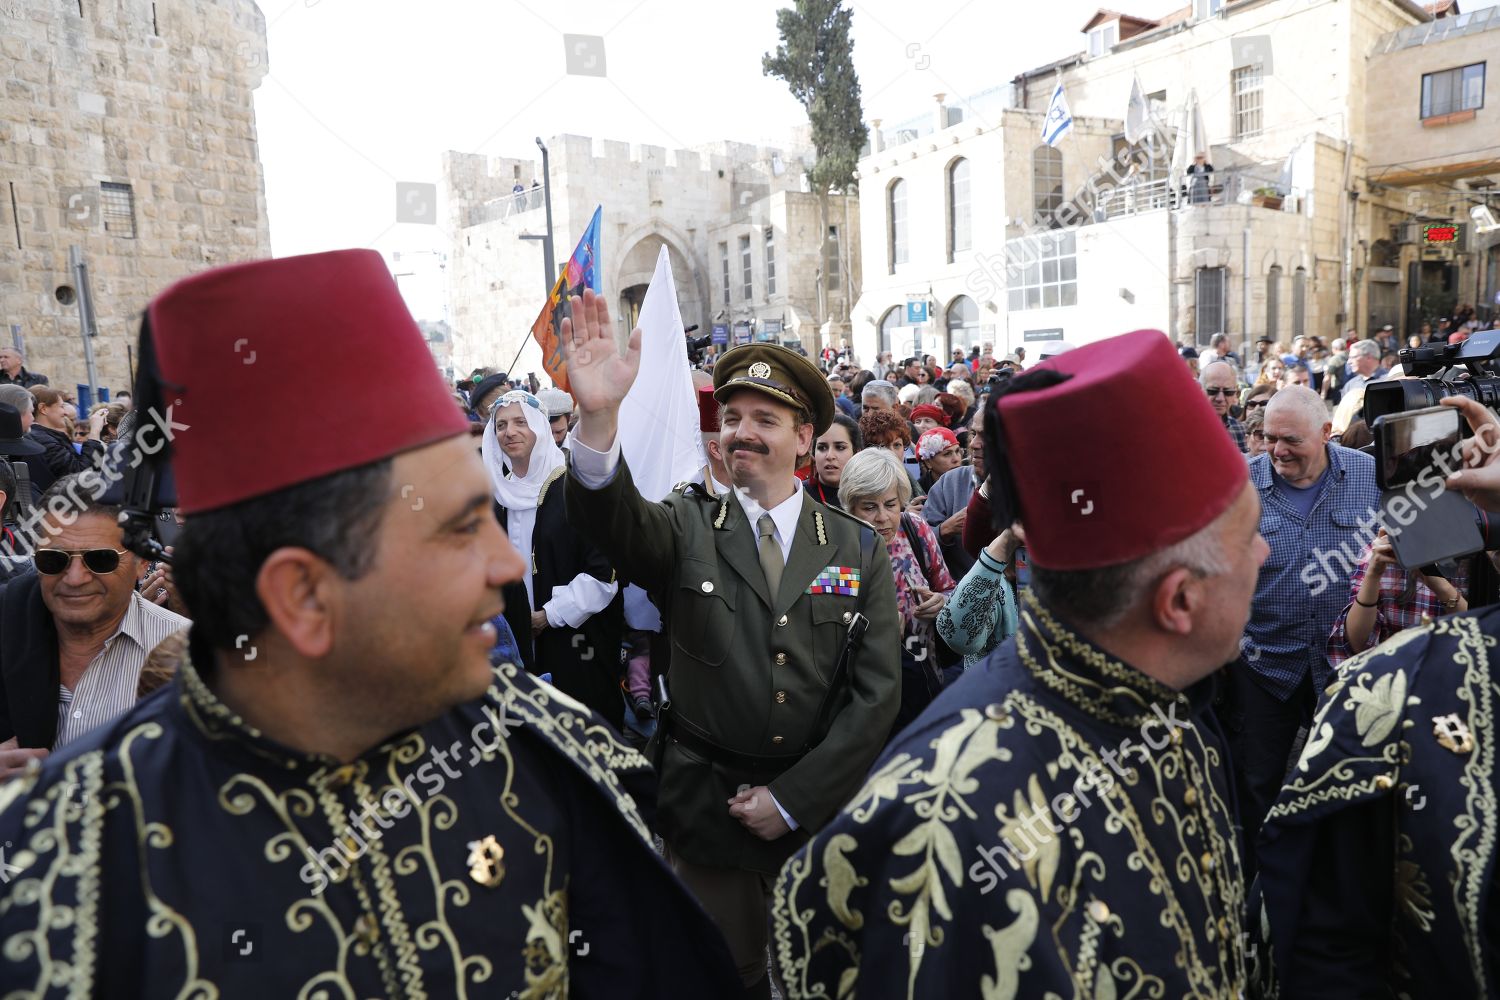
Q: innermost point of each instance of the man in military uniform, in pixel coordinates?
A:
(760, 587)
(1059, 821)
(1378, 860)
(336, 795)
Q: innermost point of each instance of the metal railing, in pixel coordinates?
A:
(984, 107)
(1438, 30)
(505, 207)
(1231, 186)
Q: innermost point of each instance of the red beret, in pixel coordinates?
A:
(1124, 459)
(251, 357)
(931, 411)
(708, 411)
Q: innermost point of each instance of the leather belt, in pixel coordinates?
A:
(690, 736)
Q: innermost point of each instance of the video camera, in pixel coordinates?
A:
(1417, 444)
(1440, 371)
(696, 345)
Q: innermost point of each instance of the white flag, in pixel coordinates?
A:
(1059, 118)
(1192, 140)
(658, 423)
(1137, 114)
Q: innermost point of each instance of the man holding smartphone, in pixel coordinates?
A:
(1378, 858)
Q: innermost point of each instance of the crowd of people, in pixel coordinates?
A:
(454, 694)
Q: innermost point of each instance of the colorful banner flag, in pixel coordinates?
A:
(581, 272)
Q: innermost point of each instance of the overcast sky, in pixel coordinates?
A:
(365, 93)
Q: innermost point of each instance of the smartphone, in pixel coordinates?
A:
(1407, 444)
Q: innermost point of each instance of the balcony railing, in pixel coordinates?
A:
(1230, 186)
(1438, 30)
(505, 207)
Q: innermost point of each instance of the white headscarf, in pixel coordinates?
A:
(521, 493)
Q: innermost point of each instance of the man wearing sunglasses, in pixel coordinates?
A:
(73, 638)
(336, 793)
(1219, 382)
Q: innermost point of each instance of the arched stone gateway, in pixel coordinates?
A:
(638, 264)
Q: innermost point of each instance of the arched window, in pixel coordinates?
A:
(1299, 302)
(1273, 302)
(1047, 185)
(896, 213)
(959, 237)
(888, 324)
(963, 323)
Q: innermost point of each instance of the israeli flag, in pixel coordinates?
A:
(1059, 118)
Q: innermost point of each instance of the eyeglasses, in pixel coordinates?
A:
(100, 562)
(1253, 403)
(1221, 392)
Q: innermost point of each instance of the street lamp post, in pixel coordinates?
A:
(549, 259)
(547, 199)
(89, 327)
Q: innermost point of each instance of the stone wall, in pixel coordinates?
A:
(651, 196)
(153, 100)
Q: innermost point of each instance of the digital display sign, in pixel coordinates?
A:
(1440, 235)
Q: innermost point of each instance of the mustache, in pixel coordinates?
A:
(759, 449)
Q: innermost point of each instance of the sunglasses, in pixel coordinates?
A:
(1221, 392)
(1252, 404)
(100, 562)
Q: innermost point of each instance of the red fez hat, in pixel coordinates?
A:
(1090, 493)
(708, 411)
(931, 411)
(246, 355)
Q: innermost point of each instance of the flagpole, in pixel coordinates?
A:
(547, 247)
(518, 354)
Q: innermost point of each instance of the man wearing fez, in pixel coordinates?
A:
(715, 477)
(1059, 822)
(762, 585)
(335, 794)
(1378, 860)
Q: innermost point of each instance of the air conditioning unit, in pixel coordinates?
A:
(1406, 233)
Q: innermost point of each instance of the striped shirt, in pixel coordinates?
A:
(108, 685)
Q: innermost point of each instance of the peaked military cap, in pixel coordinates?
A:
(780, 373)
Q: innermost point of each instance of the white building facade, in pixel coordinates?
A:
(1292, 234)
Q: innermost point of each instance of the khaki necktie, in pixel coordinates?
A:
(770, 554)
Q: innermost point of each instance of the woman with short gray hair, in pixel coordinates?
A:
(875, 488)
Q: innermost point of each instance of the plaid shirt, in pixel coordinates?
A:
(1392, 612)
(1237, 431)
(1302, 586)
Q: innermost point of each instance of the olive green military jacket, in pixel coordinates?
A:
(750, 670)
